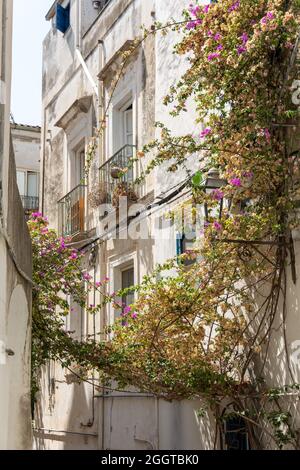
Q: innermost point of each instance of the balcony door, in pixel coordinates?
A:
(28, 184)
(78, 194)
(127, 137)
(128, 126)
(79, 165)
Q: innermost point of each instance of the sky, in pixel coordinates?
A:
(30, 28)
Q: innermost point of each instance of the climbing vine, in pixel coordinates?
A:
(205, 330)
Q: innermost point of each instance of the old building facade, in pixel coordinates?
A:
(82, 57)
(27, 147)
(15, 272)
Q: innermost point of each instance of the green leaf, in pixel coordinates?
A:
(197, 179)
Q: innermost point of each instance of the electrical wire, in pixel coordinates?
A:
(145, 212)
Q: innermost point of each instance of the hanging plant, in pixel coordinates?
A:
(98, 196)
(116, 172)
(123, 190)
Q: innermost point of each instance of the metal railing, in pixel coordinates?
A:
(71, 212)
(121, 160)
(30, 203)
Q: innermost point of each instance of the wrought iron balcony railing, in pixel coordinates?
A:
(30, 203)
(71, 212)
(118, 169)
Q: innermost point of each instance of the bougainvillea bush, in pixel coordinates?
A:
(59, 281)
(205, 331)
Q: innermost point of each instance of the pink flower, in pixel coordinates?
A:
(36, 215)
(219, 47)
(267, 135)
(241, 50)
(98, 284)
(212, 56)
(194, 10)
(191, 25)
(244, 38)
(87, 277)
(217, 226)
(217, 195)
(205, 132)
(217, 37)
(269, 17)
(248, 174)
(289, 45)
(235, 182)
(126, 310)
(206, 8)
(74, 255)
(134, 315)
(234, 6)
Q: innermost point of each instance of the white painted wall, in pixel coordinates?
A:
(27, 147)
(15, 291)
(120, 422)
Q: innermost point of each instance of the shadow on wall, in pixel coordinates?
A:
(18, 340)
(83, 418)
(278, 360)
(181, 427)
(64, 414)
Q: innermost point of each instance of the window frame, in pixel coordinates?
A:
(26, 173)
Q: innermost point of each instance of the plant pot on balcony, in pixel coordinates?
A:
(123, 190)
(97, 196)
(116, 172)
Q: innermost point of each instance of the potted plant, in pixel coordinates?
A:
(97, 196)
(116, 172)
(123, 190)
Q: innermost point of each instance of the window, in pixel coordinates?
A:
(123, 275)
(32, 184)
(79, 166)
(62, 18)
(21, 181)
(28, 183)
(185, 242)
(236, 436)
(128, 281)
(128, 126)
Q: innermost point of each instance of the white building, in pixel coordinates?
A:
(81, 61)
(81, 57)
(27, 148)
(15, 272)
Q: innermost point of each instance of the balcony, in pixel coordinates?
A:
(71, 212)
(117, 170)
(30, 203)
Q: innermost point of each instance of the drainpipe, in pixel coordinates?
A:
(42, 191)
(101, 158)
(101, 110)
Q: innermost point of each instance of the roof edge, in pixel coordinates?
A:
(51, 12)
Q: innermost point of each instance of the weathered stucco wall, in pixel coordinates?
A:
(15, 274)
(115, 420)
(27, 146)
